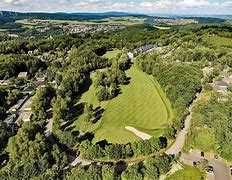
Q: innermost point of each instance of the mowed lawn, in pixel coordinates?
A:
(141, 104)
(112, 54)
(187, 173)
(202, 139)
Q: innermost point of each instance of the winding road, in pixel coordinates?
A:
(178, 145)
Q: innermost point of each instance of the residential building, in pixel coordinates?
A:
(22, 75)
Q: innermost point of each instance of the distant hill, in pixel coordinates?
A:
(8, 16)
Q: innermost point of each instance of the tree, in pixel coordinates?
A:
(132, 172)
(151, 170)
(41, 102)
(107, 172)
(31, 155)
(93, 172)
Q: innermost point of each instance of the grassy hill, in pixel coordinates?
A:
(141, 104)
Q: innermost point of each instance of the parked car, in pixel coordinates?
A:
(209, 169)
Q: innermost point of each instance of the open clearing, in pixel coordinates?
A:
(141, 105)
(128, 21)
(203, 139)
(162, 27)
(188, 173)
(112, 54)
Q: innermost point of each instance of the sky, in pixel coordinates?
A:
(193, 7)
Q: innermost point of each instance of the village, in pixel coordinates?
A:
(45, 25)
(21, 111)
(173, 22)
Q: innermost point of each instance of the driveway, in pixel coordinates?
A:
(178, 145)
(221, 170)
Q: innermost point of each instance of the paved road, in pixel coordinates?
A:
(221, 170)
(181, 136)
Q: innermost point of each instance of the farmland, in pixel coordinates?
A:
(113, 20)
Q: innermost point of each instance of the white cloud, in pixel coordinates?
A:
(145, 6)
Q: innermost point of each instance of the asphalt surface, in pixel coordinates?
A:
(178, 145)
(221, 170)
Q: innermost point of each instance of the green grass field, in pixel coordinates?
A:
(202, 139)
(128, 21)
(162, 27)
(112, 54)
(141, 104)
(188, 173)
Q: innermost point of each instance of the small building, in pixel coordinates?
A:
(143, 49)
(10, 119)
(130, 55)
(29, 89)
(26, 116)
(221, 86)
(4, 82)
(41, 79)
(14, 109)
(22, 75)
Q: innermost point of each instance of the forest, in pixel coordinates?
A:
(30, 150)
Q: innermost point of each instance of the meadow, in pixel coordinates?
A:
(112, 54)
(187, 173)
(113, 20)
(141, 104)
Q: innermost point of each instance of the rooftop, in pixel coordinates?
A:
(22, 75)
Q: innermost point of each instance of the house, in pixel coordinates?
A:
(41, 79)
(10, 119)
(26, 116)
(221, 86)
(22, 75)
(4, 82)
(130, 55)
(143, 49)
(29, 89)
(14, 109)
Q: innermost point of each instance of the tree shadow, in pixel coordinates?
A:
(120, 167)
(98, 111)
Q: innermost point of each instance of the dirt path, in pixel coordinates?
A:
(142, 135)
(181, 136)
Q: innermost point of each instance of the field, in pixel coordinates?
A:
(162, 27)
(188, 173)
(141, 104)
(202, 139)
(112, 54)
(113, 20)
